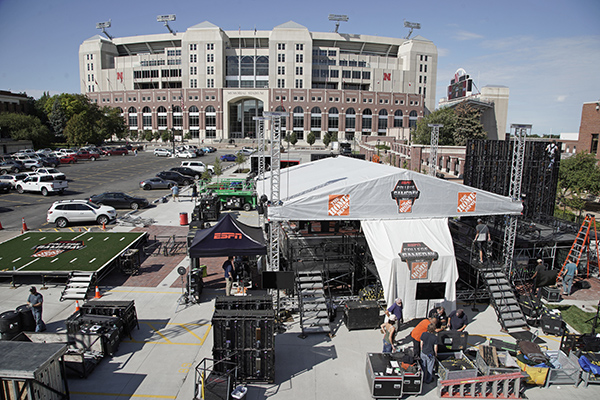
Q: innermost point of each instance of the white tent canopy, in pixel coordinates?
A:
(345, 188)
(404, 215)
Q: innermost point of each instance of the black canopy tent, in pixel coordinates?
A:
(228, 237)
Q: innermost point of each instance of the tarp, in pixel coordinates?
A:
(345, 188)
(228, 237)
(409, 252)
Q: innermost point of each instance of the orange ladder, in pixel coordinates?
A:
(581, 243)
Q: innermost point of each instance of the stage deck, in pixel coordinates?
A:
(62, 252)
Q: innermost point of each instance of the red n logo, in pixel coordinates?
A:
(387, 77)
(120, 76)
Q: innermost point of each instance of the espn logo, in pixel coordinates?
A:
(227, 235)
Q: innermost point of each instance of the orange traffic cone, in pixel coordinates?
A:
(1, 226)
(77, 305)
(103, 226)
(24, 229)
(97, 295)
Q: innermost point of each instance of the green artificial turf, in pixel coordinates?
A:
(100, 248)
(576, 317)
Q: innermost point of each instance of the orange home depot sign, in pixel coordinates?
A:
(466, 202)
(339, 204)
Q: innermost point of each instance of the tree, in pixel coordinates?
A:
(166, 136)
(311, 139)
(57, 118)
(445, 116)
(25, 127)
(468, 124)
(239, 159)
(326, 139)
(293, 138)
(218, 167)
(110, 123)
(80, 129)
(578, 176)
(148, 136)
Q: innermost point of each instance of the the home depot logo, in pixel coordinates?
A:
(227, 235)
(466, 202)
(418, 257)
(339, 204)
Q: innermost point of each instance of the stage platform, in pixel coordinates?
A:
(46, 255)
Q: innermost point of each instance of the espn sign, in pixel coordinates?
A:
(466, 202)
(227, 235)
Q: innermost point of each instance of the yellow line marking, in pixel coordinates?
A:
(167, 341)
(206, 334)
(153, 396)
(157, 331)
(186, 328)
(142, 291)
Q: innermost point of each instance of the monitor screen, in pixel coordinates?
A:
(278, 280)
(430, 291)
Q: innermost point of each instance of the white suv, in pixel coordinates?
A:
(63, 212)
(198, 166)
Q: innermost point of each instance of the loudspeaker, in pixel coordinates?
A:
(362, 315)
(551, 324)
(452, 340)
(551, 294)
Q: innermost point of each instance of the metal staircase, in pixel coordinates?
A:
(78, 285)
(312, 302)
(503, 299)
(581, 246)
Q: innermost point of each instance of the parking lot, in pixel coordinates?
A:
(85, 178)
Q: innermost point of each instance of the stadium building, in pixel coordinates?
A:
(208, 84)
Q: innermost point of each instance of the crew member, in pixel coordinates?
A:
(539, 269)
(396, 309)
(417, 331)
(429, 348)
(568, 275)
(442, 319)
(35, 301)
(389, 332)
(458, 320)
(481, 237)
(228, 268)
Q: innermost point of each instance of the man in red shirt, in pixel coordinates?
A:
(418, 331)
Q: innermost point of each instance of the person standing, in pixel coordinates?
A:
(568, 276)
(194, 192)
(482, 236)
(429, 348)
(35, 301)
(228, 269)
(396, 309)
(175, 192)
(389, 332)
(442, 319)
(417, 331)
(539, 269)
(458, 320)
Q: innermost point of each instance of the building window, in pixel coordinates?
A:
(334, 73)
(210, 70)
(299, 70)
(594, 144)
(425, 68)
(367, 120)
(193, 58)
(211, 122)
(299, 46)
(210, 83)
(192, 46)
(210, 46)
(398, 119)
(315, 119)
(281, 83)
(280, 46)
(210, 58)
(193, 83)
(193, 70)
(133, 119)
(298, 83)
(281, 57)
(333, 120)
(382, 121)
(281, 70)
(412, 119)
(356, 74)
(299, 58)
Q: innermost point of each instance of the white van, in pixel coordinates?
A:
(198, 166)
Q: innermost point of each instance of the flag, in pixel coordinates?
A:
(409, 83)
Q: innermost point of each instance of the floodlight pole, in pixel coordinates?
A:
(338, 18)
(103, 26)
(435, 135)
(516, 177)
(166, 19)
(411, 25)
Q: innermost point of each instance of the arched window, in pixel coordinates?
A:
(382, 121)
(398, 119)
(350, 119)
(315, 120)
(283, 119)
(333, 120)
(120, 110)
(177, 118)
(194, 122)
(412, 119)
(211, 122)
(132, 119)
(147, 118)
(161, 117)
(367, 120)
(298, 122)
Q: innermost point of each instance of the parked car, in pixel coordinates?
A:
(228, 157)
(45, 184)
(160, 152)
(119, 151)
(186, 154)
(86, 155)
(175, 176)
(32, 164)
(211, 149)
(157, 183)
(119, 200)
(247, 151)
(49, 160)
(9, 166)
(187, 172)
(70, 159)
(198, 166)
(59, 176)
(64, 212)
(12, 179)
(5, 187)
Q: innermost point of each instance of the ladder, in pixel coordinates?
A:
(312, 303)
(581, 244)
(501, 386)
(503, 299)
(78, 286)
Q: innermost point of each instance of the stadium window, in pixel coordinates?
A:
(299, 46)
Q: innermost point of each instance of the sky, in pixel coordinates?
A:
(546, 52)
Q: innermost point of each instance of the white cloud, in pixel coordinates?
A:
(561, 98)
(465, 35)
(443, 52)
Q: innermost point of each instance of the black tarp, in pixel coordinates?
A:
(228, 237)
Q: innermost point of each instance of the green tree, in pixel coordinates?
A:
(311, 138)
(445, 116)
(218, 167)
(148, 136)
(110, 123)
(25, 127)
(80, 129)
(293, 138)
(578, 176)
(239, 159)
(166, 136)
(468, 124)
(57, 117)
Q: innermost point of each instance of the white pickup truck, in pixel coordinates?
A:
(44, 184)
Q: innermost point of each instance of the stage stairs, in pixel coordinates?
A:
(78, 285)
(502, 297)
(312, 302)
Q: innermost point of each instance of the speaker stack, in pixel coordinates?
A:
(244, 334)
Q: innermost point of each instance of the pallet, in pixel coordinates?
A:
(502, 386)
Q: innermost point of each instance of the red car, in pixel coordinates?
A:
(119, 151)
(68, 159)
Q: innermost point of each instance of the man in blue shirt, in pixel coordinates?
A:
(228, 268)
(35, 301)
(568, 276)
(458, 320)
(396, 309)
